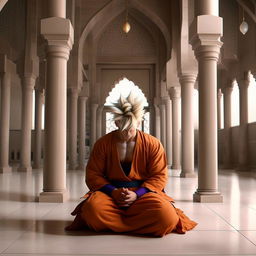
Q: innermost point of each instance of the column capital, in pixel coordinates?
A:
(83, 98)
(28, 81)
(166, 98)
(6, 65)
(245, 82)
(205, 39)
(94, 106)
(230, 87)
(59, 35)
(73, 92)
(39, 90)
(220, 94)
(174, 92)
(188, 78)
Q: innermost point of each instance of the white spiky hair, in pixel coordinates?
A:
(128, 111)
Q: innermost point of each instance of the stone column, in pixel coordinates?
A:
(38, 129)
(157, 122)
(220, 95)
(28, 84)
(243, 128)
(205, 34)
(163, 124)
(99, 122)
(187, 82)
(93, 132)
(81, 132)
(168, 131)
(58, 32)
(103, 126)
(175, 97)
(227, 127)
(72, 138)
(5, 122)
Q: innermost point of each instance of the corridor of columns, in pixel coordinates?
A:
(193, 60)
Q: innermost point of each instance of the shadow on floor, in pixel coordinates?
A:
(17, 197)
(54, 227)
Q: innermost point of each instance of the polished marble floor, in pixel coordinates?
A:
(31, 228)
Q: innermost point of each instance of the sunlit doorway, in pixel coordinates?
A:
(124, 87)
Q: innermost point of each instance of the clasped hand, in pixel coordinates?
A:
(123, 197)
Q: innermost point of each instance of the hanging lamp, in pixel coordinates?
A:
(126, 25)
(243, 26)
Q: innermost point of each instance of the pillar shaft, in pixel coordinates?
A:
(243, 128)
(59, 43)
(206, 7)
(227, 128)
(93, 124)
(243, 87)
(103, 121)
(55, 126)
(208, 125)
(163, 124)
(157, 122)
(99, 122)
(28, 84)
(81, 131)
(206, 43)
(175, 97)
(38, 129)
(73, 103)
(187, 124)
(56, 8)
(227, 107)
(220, 95)
(5, 122)
(168, 131)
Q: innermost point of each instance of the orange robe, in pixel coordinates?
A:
(153, 213)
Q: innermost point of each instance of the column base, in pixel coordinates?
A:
(188, 175)
(72, 167)
(5, 169)
(53, 197)
(24, 169)
(174, 173)
(176, 167)
(80, 167)
(227, 167)
(37, 166)
(204, 197)
(243, 168)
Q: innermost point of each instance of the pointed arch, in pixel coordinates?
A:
(112, 10)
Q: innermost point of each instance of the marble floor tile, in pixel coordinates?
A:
(31, 228)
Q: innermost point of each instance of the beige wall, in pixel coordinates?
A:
(15, 110)
(15, 144)
(235, 145)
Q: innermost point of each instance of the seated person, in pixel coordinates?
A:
(126, 174)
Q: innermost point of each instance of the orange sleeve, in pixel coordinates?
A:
(156, 168)
(95, 169)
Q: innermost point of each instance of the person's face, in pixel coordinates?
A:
(127, 134)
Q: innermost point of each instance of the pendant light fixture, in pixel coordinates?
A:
(126, 25)
(243, 26)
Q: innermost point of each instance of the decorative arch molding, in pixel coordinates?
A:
(147, 69)
(2, 3)
(112, 10)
